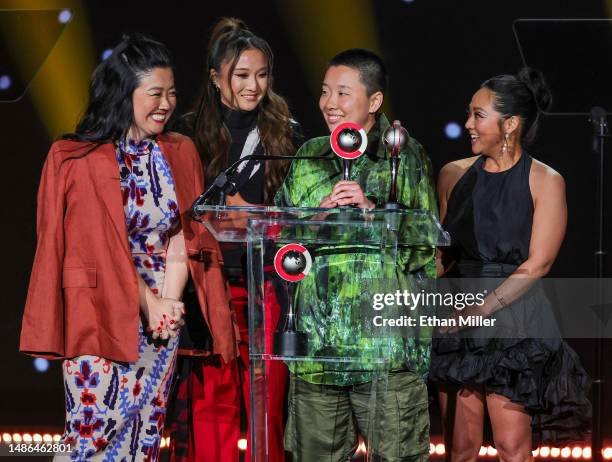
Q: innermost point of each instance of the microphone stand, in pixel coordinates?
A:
(224, 185)
(598, 119)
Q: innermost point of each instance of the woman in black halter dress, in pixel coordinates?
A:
(506, 214)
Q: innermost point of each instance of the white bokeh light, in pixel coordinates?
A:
(452, 130)
(64, 16)
(41, 364)
(106, 54)
(5, 82)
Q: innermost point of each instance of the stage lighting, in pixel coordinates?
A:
(106, 54)
(41, 364)
(242, 444)
(452, 130)
(5, 82)
(566, 453)
(64, 16)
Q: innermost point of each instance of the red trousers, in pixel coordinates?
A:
(209, 399)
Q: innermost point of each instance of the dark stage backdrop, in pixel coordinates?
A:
(438, 52)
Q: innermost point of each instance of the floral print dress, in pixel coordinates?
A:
(116, 411)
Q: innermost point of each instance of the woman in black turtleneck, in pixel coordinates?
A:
(237, 115)
(241, 124)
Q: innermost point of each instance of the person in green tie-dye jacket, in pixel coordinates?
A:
(330, 402)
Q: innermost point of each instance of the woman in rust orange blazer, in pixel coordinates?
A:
(115, 249)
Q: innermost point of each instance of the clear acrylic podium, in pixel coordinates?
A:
(354, 255)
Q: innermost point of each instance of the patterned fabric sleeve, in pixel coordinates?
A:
(305, 184)
(282, 198)
(418, 193)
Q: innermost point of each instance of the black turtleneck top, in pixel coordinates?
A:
(250, 179)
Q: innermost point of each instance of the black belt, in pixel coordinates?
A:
(473, 268)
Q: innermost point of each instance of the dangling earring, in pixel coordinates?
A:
(505, 145)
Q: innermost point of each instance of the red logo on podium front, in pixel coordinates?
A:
(292, 262)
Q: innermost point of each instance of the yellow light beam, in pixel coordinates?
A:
(59, 90)
(320, 29)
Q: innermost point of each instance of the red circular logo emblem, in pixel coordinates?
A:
(348, 140)
(292, 262)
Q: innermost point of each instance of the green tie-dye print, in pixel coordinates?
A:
(330, 302)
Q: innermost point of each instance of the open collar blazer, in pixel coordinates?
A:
(83, 293)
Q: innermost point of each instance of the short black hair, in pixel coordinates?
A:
(371, 68)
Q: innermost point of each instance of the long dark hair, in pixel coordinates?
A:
(524, 95)
(110, 114)
(229, 38)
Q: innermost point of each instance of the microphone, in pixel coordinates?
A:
(224, 184)
(598, 115)
(600, 126)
